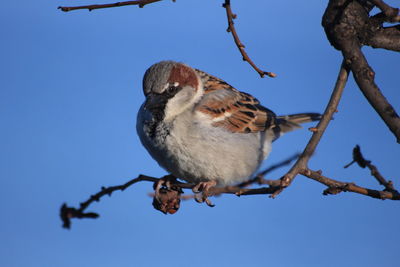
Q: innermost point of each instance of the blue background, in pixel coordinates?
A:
(70, 90)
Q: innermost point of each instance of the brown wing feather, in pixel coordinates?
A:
(232, 110)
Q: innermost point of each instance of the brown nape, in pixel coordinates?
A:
(183, 75)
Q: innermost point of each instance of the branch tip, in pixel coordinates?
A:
(139, 3)
(231, 28)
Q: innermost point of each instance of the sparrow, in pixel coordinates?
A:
(202, 130)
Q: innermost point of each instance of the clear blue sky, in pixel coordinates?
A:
(70, 90)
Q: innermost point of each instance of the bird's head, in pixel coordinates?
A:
(170, 88)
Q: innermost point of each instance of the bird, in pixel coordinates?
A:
(202, 130)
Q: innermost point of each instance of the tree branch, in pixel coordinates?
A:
(363, 163)
(336, 187)
(346, 25)
(169, 196)
(384, 37)
(231, 28)
(390, 12)
(259, 178)
(364, 76)
(67, 213)
(140, 3)
(166, 196)
(330, 109)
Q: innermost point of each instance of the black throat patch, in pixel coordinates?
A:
(157, 109)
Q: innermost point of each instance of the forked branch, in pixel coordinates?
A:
(67, 213)
(390, 12)
(348, 26)
(172, 194)
(336, 187)
(318, 131)
(363, 163)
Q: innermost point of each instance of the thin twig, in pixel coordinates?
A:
(259, 177)
(336, 187)
(140, 3)
(363, 163)
(330, 109)
(239, 44)
(67, 213)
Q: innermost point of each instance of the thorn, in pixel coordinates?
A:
(313, 129)
(234, 16)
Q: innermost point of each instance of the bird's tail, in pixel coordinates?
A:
(292, 122)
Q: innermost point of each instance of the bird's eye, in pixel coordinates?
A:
(172, 89)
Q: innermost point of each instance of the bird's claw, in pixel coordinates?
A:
(201, 191)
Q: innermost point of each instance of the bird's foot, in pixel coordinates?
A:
(167, 197)
(201, 191)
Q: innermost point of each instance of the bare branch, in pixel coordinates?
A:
(239, 44)
(364, 76)
(166, 197)
(259, 177)
(168, 190)
(336, 187)
(67, 213)
(330, 109)
(140, 3)
(384, 37)
(345, 26)
(390, 12)
(363, 163)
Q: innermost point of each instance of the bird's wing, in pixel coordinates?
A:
(235, 111)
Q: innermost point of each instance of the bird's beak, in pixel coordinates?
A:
(154, 102)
